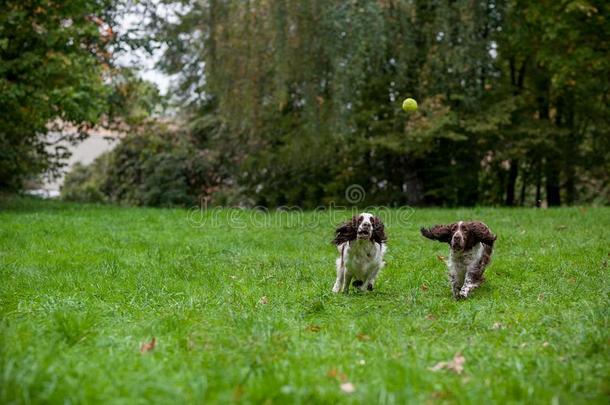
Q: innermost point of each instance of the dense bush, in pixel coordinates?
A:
(152, 167)
(513, 98)
(83, 183)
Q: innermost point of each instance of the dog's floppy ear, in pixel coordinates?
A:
(379, 235)
(482, 233)
(441, 233)
(346, 232)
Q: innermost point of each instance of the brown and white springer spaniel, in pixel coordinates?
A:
(361, 242)
(471, 247)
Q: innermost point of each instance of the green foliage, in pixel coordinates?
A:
(153, 166)
(84, 183)
(57, 75)
(296, 101)
(512, 93)
(98, 281)
(132, 101)
(52, 60)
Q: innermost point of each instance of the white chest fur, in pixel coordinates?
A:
(359, 260)
(460, 262)
(361, 257)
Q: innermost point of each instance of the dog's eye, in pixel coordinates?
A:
(360, 218)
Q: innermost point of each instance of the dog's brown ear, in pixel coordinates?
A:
(441, 233)
(482, 233)
(379, 235)
(346, 232)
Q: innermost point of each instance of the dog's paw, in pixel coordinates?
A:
(462, 295)
(457, 295)
(361, 286)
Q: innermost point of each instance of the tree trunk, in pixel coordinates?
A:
(512, 179)
(524, 179)
(551, 172)
(552, 165)
(565, 119)
(570, 185)
(538, 183)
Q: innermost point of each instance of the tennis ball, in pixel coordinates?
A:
(409, 105)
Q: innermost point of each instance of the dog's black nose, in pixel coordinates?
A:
(457, 242)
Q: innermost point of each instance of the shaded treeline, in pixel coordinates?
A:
(290, 102)
(304, 98)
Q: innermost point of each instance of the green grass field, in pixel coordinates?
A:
(245, 313)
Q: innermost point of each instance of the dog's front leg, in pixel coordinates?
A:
(340, 282)
(338, 287)
(456, 278)
(348, 282)
(455, 285)
(370, 281)
(472, 281)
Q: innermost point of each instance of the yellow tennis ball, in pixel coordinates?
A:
(409, 105)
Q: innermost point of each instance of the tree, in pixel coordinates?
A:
(304, 97)
(54, 58)
(554, 55)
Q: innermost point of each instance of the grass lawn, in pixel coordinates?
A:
(241, 309)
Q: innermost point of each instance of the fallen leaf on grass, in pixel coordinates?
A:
(348, 387)
(437, 395)
(238, 392)
(572, 280)
(363, 337)
(313, 328)
(456, 365)
(442, 258)
(424, 287)
(334, 373)
(497, 325)
(545, 344)
(148, 346)
(561, 227)
(431, 317)
(263, 300)
(541, 297)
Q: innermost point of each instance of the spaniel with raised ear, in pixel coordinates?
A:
(361, 242)
(471, 247)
